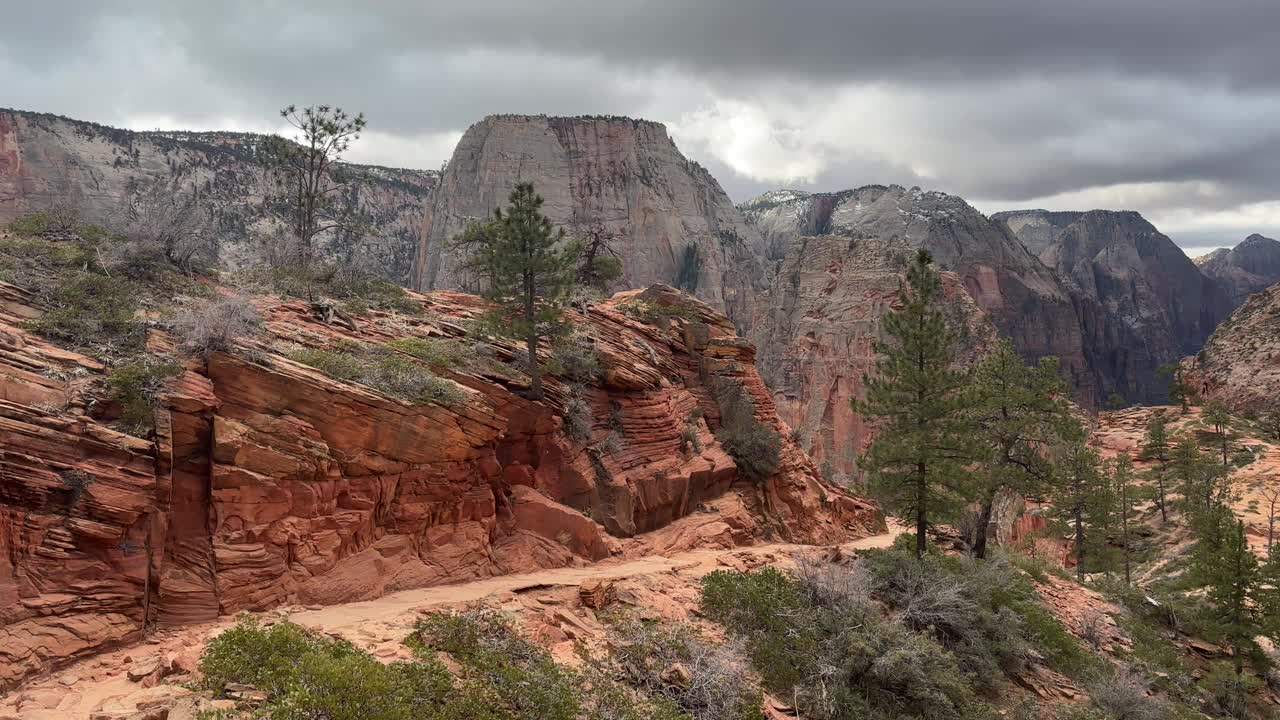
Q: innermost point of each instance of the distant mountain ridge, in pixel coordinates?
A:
(1141, 301)
(48, 160)
(1250, 267)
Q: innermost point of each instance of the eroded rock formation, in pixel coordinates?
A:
(1142, 303)
(1022, 297)
(269, 482)
(49, 161)
(1240, 363)
(1250, 267)
(672, 222)
(817, 327)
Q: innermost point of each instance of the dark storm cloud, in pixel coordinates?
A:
(1167, 104)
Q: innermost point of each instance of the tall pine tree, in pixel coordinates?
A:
(528, 268)
(1241, 592)
(1075, 497)
(1020, 412)
(1123, 494)
(918, 464)
(1200, 480)
(1155, 446)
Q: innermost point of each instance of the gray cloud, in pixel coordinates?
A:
(1165, 106)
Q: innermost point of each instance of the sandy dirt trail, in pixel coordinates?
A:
(98, 688)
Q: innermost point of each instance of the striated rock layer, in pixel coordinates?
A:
(1142, 303)
(1023, 298)
(1250, 267)
(49, 161)
(1240, 363)
(820, 320)
(672, 222)
(268, 482)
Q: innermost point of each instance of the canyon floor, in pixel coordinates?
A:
(128, 682)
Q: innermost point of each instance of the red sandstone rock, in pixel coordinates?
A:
(269, 483)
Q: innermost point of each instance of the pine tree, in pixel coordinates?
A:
(1075, 497)
(311, 184)
(599, 265)
(1181, 392)
(1155, 446)
(918, 462)
(1216, 414)
(528, 268)
(1269, 423)
(1020, 411)
(1240, 591)
(1200, 480)
(1123, 493)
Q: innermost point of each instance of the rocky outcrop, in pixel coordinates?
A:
(672, 222)
(1250, 267)
(268, 482)
(50, 161)
(817, 328)
(1240, 363)
(1141, 302)
(1022, 297)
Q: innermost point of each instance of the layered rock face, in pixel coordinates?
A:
(817, 328)
(1250, 267)
(1142, 303)
(49, 161)
(1022, 297)
(1240, 363)
(268, 482)
(672, 222)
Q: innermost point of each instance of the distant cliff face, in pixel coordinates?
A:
(673, 222)
(1023, 298)
(1250, 267)
(817, 327)
(48, 161)
(1141, 301)
(1240, 363)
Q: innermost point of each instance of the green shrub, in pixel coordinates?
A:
(384, 371)
(755, 447)
(1122, 693)
(970, 607)
(577, 416)
(265, 657)
(75, 483)
(440, 352)
(755, 450)
(357, 292)
(690, 441)
(306, 675)
(574, 357)
(86, 309)
(1228, 693)
(135, 386)
(826, 646)
(653, 313)
(510, 676)
(770, 612)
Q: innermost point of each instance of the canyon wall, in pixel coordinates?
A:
(267, 482)
(1250, 267)
(817, 328)
(1023, 298)
(1141, 301)
(672, 222)
(1240, 363)
(48, 161)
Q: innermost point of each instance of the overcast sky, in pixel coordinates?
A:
(1169, 107)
